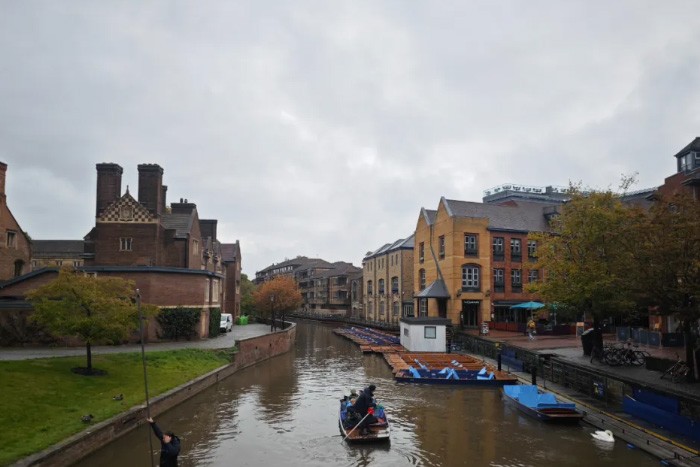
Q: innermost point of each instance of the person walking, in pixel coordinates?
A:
(169, 445)
(531, 329)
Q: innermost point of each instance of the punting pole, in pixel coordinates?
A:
(145, 375)
(363, 419)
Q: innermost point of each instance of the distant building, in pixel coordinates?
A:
(388, 282)
(56, 253)
(285, 268)
(535, 194)
(687, 176)
(15, 245)
(356, 294)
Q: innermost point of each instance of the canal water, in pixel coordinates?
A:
(283, 412)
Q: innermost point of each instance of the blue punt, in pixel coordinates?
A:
(542, 406)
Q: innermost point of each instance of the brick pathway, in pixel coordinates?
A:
(224, 341)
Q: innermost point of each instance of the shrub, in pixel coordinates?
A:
(178, 322)
(18, 329)
(214, 321)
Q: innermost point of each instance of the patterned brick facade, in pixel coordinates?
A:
(15, 246)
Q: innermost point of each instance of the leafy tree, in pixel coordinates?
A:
(95, 309)
(247, 290)
(583, 257)
(286, 297)
(665, 272)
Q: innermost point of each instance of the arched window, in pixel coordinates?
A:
(471, 278)
(354, 291)
(422, 278)
(395, 284)
(381, 286)
(396, 308)
(369, 287)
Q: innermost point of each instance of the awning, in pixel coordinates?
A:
(529, 306)
(435, 290)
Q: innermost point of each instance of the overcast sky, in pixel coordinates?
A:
(321, 128)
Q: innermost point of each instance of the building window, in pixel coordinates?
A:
(442, 247)
(195, 247)
(381, 286)
(408, 310)
(516, 280)
(430, 332)
(19, 267)
(370, 308)
(405, 331)
(531, 249)
(470, 245)
(516, 253)
(470, 278)
(369, 287)
(424, 307)
(35, 264)
(215, 290)
(206, 290)
(392, 260)
(422, 278)
(421, 253)
(10, 239)
(498, 248)
(396, 308)
(76, 264)
(381, 308)
(354, 291)
(125, 244)
(59, 263)
(533, 275)
(499, 280)
(394, 285)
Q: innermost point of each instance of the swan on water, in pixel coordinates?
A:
(606, 436)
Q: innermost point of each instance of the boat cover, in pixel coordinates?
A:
(529, 396)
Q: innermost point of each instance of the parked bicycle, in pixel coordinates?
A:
(620, 354)
(678, 371)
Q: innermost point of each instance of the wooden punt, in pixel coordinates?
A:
(542, 406)
(377, 433)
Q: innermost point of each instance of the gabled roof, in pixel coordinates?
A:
(435, 290)
(524, 217)
(57, 248)
(230, 252)
(138, 213)
(693, 146)
(428, 215)
(180, 223)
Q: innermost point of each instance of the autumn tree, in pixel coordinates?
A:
(583, 258)
(280, 295)
(247, 290)
(94, 309)
(665, 272)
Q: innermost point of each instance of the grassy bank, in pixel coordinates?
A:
(41, 401)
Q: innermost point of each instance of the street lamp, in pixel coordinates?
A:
(272, 311)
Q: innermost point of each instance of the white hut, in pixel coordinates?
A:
(424, 334)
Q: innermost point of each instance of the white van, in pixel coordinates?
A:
(226, 322)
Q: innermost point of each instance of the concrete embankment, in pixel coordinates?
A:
(250, 352)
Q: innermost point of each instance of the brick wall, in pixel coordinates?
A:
(21, 249)
(144, 244)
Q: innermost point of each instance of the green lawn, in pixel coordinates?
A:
(41, 401)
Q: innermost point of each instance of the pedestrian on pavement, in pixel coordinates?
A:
(531, 329)
(169, 445)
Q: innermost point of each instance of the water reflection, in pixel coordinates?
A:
(284, 412)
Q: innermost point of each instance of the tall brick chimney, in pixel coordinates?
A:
(164, 204)
(151, 187)
(3, 173)
(109, 185)
(208, 228)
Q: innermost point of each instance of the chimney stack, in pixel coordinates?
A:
(208, 228)
(3, 173)
(183, 207)
(151, 187)
(109, 185)
(164, 203)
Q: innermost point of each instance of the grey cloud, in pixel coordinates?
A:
(323, 127)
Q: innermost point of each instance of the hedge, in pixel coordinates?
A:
(214, 321)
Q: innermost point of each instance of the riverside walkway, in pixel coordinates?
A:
(224, 341)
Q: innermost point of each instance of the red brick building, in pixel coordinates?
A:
(687, 176)
(15, 245)
(174, 258)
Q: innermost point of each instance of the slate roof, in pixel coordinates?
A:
(230, 252)
(57, 248)
(525, 217)
(343, 269)
(430, 216)
(401, 243)
(435, 290)
(180, 223)
(693, 146)
(299, 261)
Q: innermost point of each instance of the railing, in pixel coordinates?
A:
(347, 320)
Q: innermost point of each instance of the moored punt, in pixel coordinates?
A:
(482, 377)
(371, 340)
(542, 406)
(378, 432)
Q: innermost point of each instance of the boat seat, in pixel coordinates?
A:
(546, 399)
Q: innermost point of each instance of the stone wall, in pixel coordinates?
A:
(69, 451)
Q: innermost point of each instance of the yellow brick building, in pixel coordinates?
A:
(461, 261)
